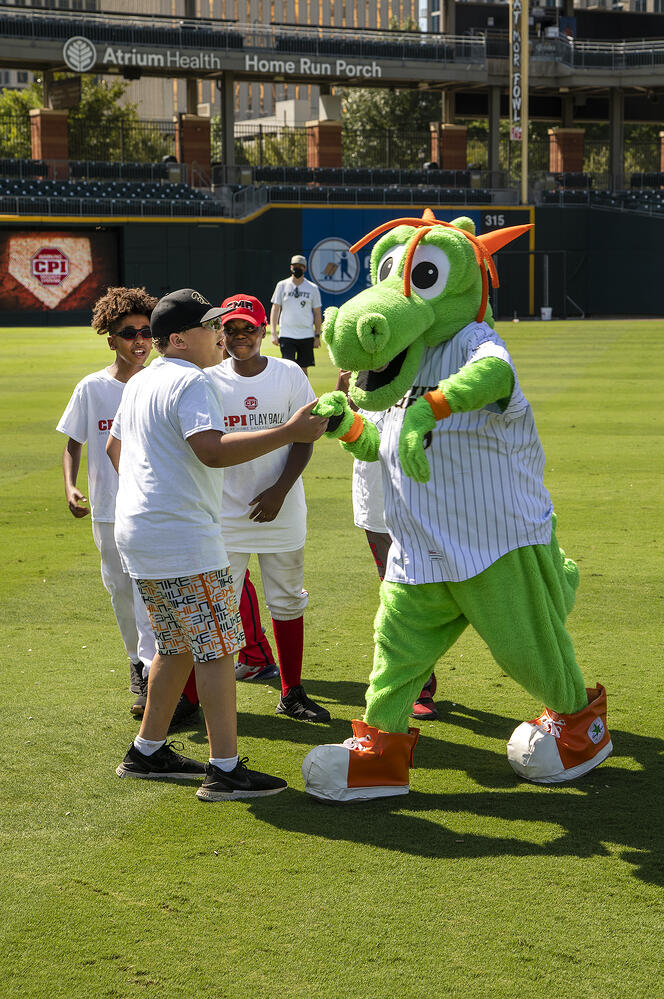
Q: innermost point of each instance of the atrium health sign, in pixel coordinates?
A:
(80, 55)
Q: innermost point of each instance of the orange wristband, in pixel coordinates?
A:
(358, 426)
(440, 407)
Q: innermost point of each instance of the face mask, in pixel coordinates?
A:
(297, 271)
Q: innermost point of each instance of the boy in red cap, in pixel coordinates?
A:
(263, 507)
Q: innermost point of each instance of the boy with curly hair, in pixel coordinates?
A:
(122, 315)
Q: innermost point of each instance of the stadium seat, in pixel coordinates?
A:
(328, 175)
(371, 195)
(357, 175)
(427, 195)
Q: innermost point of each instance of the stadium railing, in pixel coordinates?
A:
(393, 194)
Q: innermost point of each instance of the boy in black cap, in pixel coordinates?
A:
(168, 445)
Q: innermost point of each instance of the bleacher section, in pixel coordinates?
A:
(392, 195)
(364, 176)
(116, 197)
(22, 168)
(95, 170)
(647, 180)
(651, 201)
(140, 189)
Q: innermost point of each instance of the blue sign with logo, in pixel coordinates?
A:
(329, 233)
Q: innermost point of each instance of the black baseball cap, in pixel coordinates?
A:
(181, 310)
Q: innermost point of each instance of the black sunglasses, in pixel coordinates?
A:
(209, 324)
(130, 333)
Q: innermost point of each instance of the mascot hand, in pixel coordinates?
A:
(334, 406)
(417, 423)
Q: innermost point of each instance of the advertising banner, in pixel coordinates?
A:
(55, 272)
(329, 233)
(516, 70)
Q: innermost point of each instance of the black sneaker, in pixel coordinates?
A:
(297, 705)
(165, 764)
(185, 711)
(239, 783)
(135, 676)
(138, 707)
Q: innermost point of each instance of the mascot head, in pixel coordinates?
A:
(429, 279)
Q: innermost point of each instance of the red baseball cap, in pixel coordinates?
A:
(243, 307)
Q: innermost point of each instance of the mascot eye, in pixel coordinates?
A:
(430, 271)
(389, 262)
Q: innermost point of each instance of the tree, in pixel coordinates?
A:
(387, 127)
(101, 127)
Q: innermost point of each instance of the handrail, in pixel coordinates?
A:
(258, 30)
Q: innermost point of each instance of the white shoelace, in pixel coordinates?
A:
(357, 742)
(551, 725)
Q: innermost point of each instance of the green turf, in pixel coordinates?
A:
(475, 885)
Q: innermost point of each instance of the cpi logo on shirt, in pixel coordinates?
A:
(250, 402)
(49, 265)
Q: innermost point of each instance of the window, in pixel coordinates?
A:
(22, 76)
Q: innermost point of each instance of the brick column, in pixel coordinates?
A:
(192, 145)
(452, 147)
(50, 141)
(566, 150)
(324, 144)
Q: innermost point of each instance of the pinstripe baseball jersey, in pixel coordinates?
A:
(485, 496)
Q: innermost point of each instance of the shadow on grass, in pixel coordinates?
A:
(612, 806)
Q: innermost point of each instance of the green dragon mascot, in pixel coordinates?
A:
(472, 526)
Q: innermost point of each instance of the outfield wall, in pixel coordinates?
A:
(597, 261)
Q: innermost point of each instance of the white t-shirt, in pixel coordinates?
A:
(297, 302)
(485, 496)
(368, 497)
(88, 417)
(167, 518)
(258, 403)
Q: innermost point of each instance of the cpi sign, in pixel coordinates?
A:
(49, 265)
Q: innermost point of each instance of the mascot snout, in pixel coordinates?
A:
(373, 332)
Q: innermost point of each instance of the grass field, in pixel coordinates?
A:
(475, 885)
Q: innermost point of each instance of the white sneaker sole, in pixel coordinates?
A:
(573, 772)
(348, 795)
(122, 772)
(206, 795)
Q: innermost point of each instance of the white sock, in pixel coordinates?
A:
(146, 670)
(226, 765)
(147, 746)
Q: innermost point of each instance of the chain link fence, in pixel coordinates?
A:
(15, 137)
(121, 141)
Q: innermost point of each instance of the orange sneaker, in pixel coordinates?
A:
(555, 748)
(371, 764)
